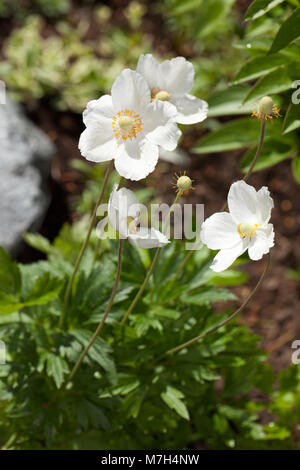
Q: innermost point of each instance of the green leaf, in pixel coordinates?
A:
(292, 118)
(234, 135)
(99, 351)
(229, 102)
(275, 82)
(173, 398)
(9, 304)
(44, 290)
(292, 274)
(288, 32)
(37, 241)
(207, 295)
(296, 168)
(56, 368)
(259, 8)
(144, 322)
(230, 277)
(273, 152)
(259, 66)
(220, 423)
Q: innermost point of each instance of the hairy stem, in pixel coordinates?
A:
(83, 248)
(107, 310)
(258, 151)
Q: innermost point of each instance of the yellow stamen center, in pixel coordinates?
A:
(162, 95)
(246, 230)
(126, 124)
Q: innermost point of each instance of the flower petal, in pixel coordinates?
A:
(97, 143)
(261, 243)
(148, 67)
(242, 203)
(226, 257)
(148, 238)
(265, 205)
(159, 125)
(176, 75)
(130, 91)
(219, 231)
(136, 159)
(98, 110)
(189, 109)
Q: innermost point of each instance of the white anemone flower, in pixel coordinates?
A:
(171, 81)
(125, 215)
(128, 128)
(245, 227)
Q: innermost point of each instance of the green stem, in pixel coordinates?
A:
(258, 151)
(83, 248)
(107, 310)
(150, 270)
(227, 320)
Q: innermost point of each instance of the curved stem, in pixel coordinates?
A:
(227, 320)
(258, 151)
(83, 248)
(150, 270)
(107, 310)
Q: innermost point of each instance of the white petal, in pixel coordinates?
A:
(189, 109)
(136, 159)
(261, 243)
(219, 231)
(265, 205)
(159, 125)
(97, 142)
(148, 67)
(242, 203)
(98, 110)
(130, 91)
(226, 257)
(148, 238)
(176, 75)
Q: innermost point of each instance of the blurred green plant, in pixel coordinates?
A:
(120, 397)
(205, 31)
(19, 10)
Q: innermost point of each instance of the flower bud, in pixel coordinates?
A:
(184, 183)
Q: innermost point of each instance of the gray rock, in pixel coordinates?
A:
(25, 159)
